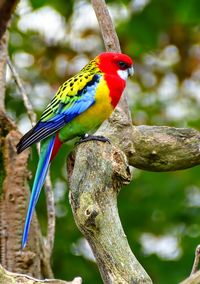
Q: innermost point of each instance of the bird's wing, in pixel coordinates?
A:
(71, 100)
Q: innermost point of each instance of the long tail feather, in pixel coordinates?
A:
(42, 168)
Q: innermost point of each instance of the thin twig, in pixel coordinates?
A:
(48, 186)
(3, 52)
(27, 103)
(51, 214)
(196, 260)
(107, 28)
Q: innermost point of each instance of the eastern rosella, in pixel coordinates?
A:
(80, 105)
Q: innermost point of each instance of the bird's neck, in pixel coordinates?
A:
(116, 86)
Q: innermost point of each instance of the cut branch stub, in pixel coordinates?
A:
(153, 148)
(99, 171)
(162, 148)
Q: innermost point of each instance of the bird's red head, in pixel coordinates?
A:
(116, 68)
(116, 63)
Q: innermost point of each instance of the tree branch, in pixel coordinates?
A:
(10, 277)
(193, 279)
(195, 266)
(51, 215)
(95, 179)
(3, 53)
(154, 148)
(107, 29)
(162, 148)
(27, 103)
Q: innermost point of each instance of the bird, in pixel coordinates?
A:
(79, 107)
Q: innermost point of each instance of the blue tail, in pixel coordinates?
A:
(42, 168)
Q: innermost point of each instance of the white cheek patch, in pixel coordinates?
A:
(123, 74)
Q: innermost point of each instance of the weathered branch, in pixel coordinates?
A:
(193, 279)
(7, 277)
(154, 148)
(99, 171)
(195, 266)
(165, 148)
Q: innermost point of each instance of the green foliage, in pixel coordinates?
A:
(163, 39)
(63, 7)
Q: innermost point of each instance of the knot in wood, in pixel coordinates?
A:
(27, 258)
(11, 197)
(120, 167)
(91, 213)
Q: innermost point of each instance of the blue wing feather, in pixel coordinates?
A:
(64, 114)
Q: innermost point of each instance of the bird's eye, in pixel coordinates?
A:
(122, 65)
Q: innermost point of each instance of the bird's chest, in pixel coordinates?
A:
(100, 110)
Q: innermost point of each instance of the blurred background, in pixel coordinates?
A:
(160, 212)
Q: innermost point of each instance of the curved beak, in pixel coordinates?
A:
(130, 71)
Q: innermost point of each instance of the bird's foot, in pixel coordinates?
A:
(88, 137)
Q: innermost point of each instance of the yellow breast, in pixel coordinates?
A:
(100, 111)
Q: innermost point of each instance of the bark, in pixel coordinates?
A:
(193, 279)
(162, 148)
(7, 277)
(14, 195)
(6, 9)
(3, 54)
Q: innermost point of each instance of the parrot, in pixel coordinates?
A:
(79, 107)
